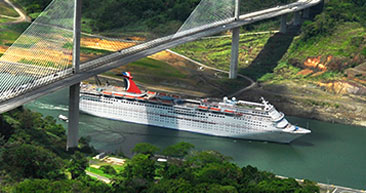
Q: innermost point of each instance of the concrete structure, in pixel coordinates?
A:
(75, 75)
(297, 18)
(73, 127)
(235, 44)
(108, 62)
(283, 28)
(306, 13)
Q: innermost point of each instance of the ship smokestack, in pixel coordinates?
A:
(130, 84)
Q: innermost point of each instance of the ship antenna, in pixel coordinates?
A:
(263, 101)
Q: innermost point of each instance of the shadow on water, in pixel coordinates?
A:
(271, 54)
(303, 143)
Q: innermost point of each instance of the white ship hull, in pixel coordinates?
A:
(248, 126)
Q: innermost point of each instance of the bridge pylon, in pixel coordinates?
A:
(283, 28)
(74, 98)
(235, 45)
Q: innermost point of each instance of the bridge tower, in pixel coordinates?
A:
(235, 45)
(73, 126)
(283, 28)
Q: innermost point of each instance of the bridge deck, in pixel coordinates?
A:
(89, 69)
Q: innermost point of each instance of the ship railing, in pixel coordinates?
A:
(279, 118)
(250, 103)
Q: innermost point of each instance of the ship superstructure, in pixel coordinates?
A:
(228, 118)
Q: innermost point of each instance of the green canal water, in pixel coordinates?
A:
(332, 153)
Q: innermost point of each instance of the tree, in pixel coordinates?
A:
(107, 169)
(145, 148)
(49, 186)
(179, 150)
(77, 165)
(222, 174)
(140, 166)
(172, 186)
(216, 188)
(203, 158)
(173, 171)
(138, 173)
(30, 161)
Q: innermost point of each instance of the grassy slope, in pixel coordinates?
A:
(149, 66)
(9, 33)
(339, 44)
(217, 52)
(98, 172)
(5, 20)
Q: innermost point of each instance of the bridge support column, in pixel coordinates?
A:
(297, 18)
(283, 28)
(234, 54)
(235, 45)
(73, 127)
(306, 13)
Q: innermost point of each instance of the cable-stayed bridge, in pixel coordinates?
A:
(46, 56)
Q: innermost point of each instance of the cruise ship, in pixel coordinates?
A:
(227, 118)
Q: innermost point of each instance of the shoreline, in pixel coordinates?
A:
(329, 109)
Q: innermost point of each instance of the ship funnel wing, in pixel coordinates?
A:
(130, 84)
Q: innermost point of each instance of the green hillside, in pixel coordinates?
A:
(158, 16)
(337, 37)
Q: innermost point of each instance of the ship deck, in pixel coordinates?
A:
(212, 105)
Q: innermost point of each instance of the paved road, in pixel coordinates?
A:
(22, 16)
(244, 34)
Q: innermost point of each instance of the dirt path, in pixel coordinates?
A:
(101, 178)
(22, 16)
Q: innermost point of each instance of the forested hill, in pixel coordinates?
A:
(159, 16)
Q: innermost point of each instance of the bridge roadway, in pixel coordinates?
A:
(89, 69)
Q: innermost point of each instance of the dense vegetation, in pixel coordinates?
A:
(338, 32)
(206, 171)
(32, 151)
(158, 16)
(335, 13)
(33, 159)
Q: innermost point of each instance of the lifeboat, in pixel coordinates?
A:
(239, 114)
(140, 98)
(167, 102)
(107, 93)
(153, 100)
(130, 97)
(203, 108)
(151, 93)
(229, 111)
(175, 96)
(215, 109)
(120, 95)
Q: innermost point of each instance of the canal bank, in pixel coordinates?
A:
(332, 154)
